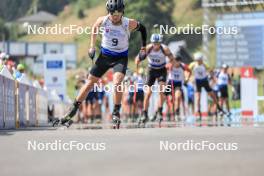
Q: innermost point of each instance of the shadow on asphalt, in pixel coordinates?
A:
(8, 132)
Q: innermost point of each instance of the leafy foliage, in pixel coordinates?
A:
(150, 13)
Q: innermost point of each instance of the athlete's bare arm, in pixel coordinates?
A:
(95, 30)
(208, 69)
(169, 55)
(189, 72)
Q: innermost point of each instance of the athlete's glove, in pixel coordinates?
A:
(142, 54)
(91, 53)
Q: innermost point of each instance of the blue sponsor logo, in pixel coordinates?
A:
(55, 64)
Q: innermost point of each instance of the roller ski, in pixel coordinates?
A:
(157, 117)
(229, 114)
(154, 117)
(221, 111)
(215, 119)
(66, 121)
(177, 115)
(116, 121)
(160, 119)
(143, 120)
(199, 119)
(63, 122)
(55, 122)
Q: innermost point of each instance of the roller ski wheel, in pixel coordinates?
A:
(55, 122)
(66, 123)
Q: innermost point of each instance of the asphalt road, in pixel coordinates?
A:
(128, 152)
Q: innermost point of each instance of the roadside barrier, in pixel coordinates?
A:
(8, 102)
(42, 107)
(1, 102)
(23, 104)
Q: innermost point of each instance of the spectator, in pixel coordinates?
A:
(19, 71)
(1, 63)
(10, 65)
(41, 83)
(3, 58)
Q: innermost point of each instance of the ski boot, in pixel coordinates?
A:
(199, 119)
(177, 115)
(143, 120)
(154, 117)
(66, 120)
(221, 111)
(216, 119)
(116, 120)
(160, 119)
(55, 122)
(229, 114)
(168, 117)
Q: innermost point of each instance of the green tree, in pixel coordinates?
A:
(52, 6)
(12, 9)
(148, 12)
(3, 30)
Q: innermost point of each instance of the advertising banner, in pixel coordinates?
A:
(55, 73)
(1, 102)
(32, 106)
(10, 104)
(22, 113)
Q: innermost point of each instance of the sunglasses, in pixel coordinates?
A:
(116, 13)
